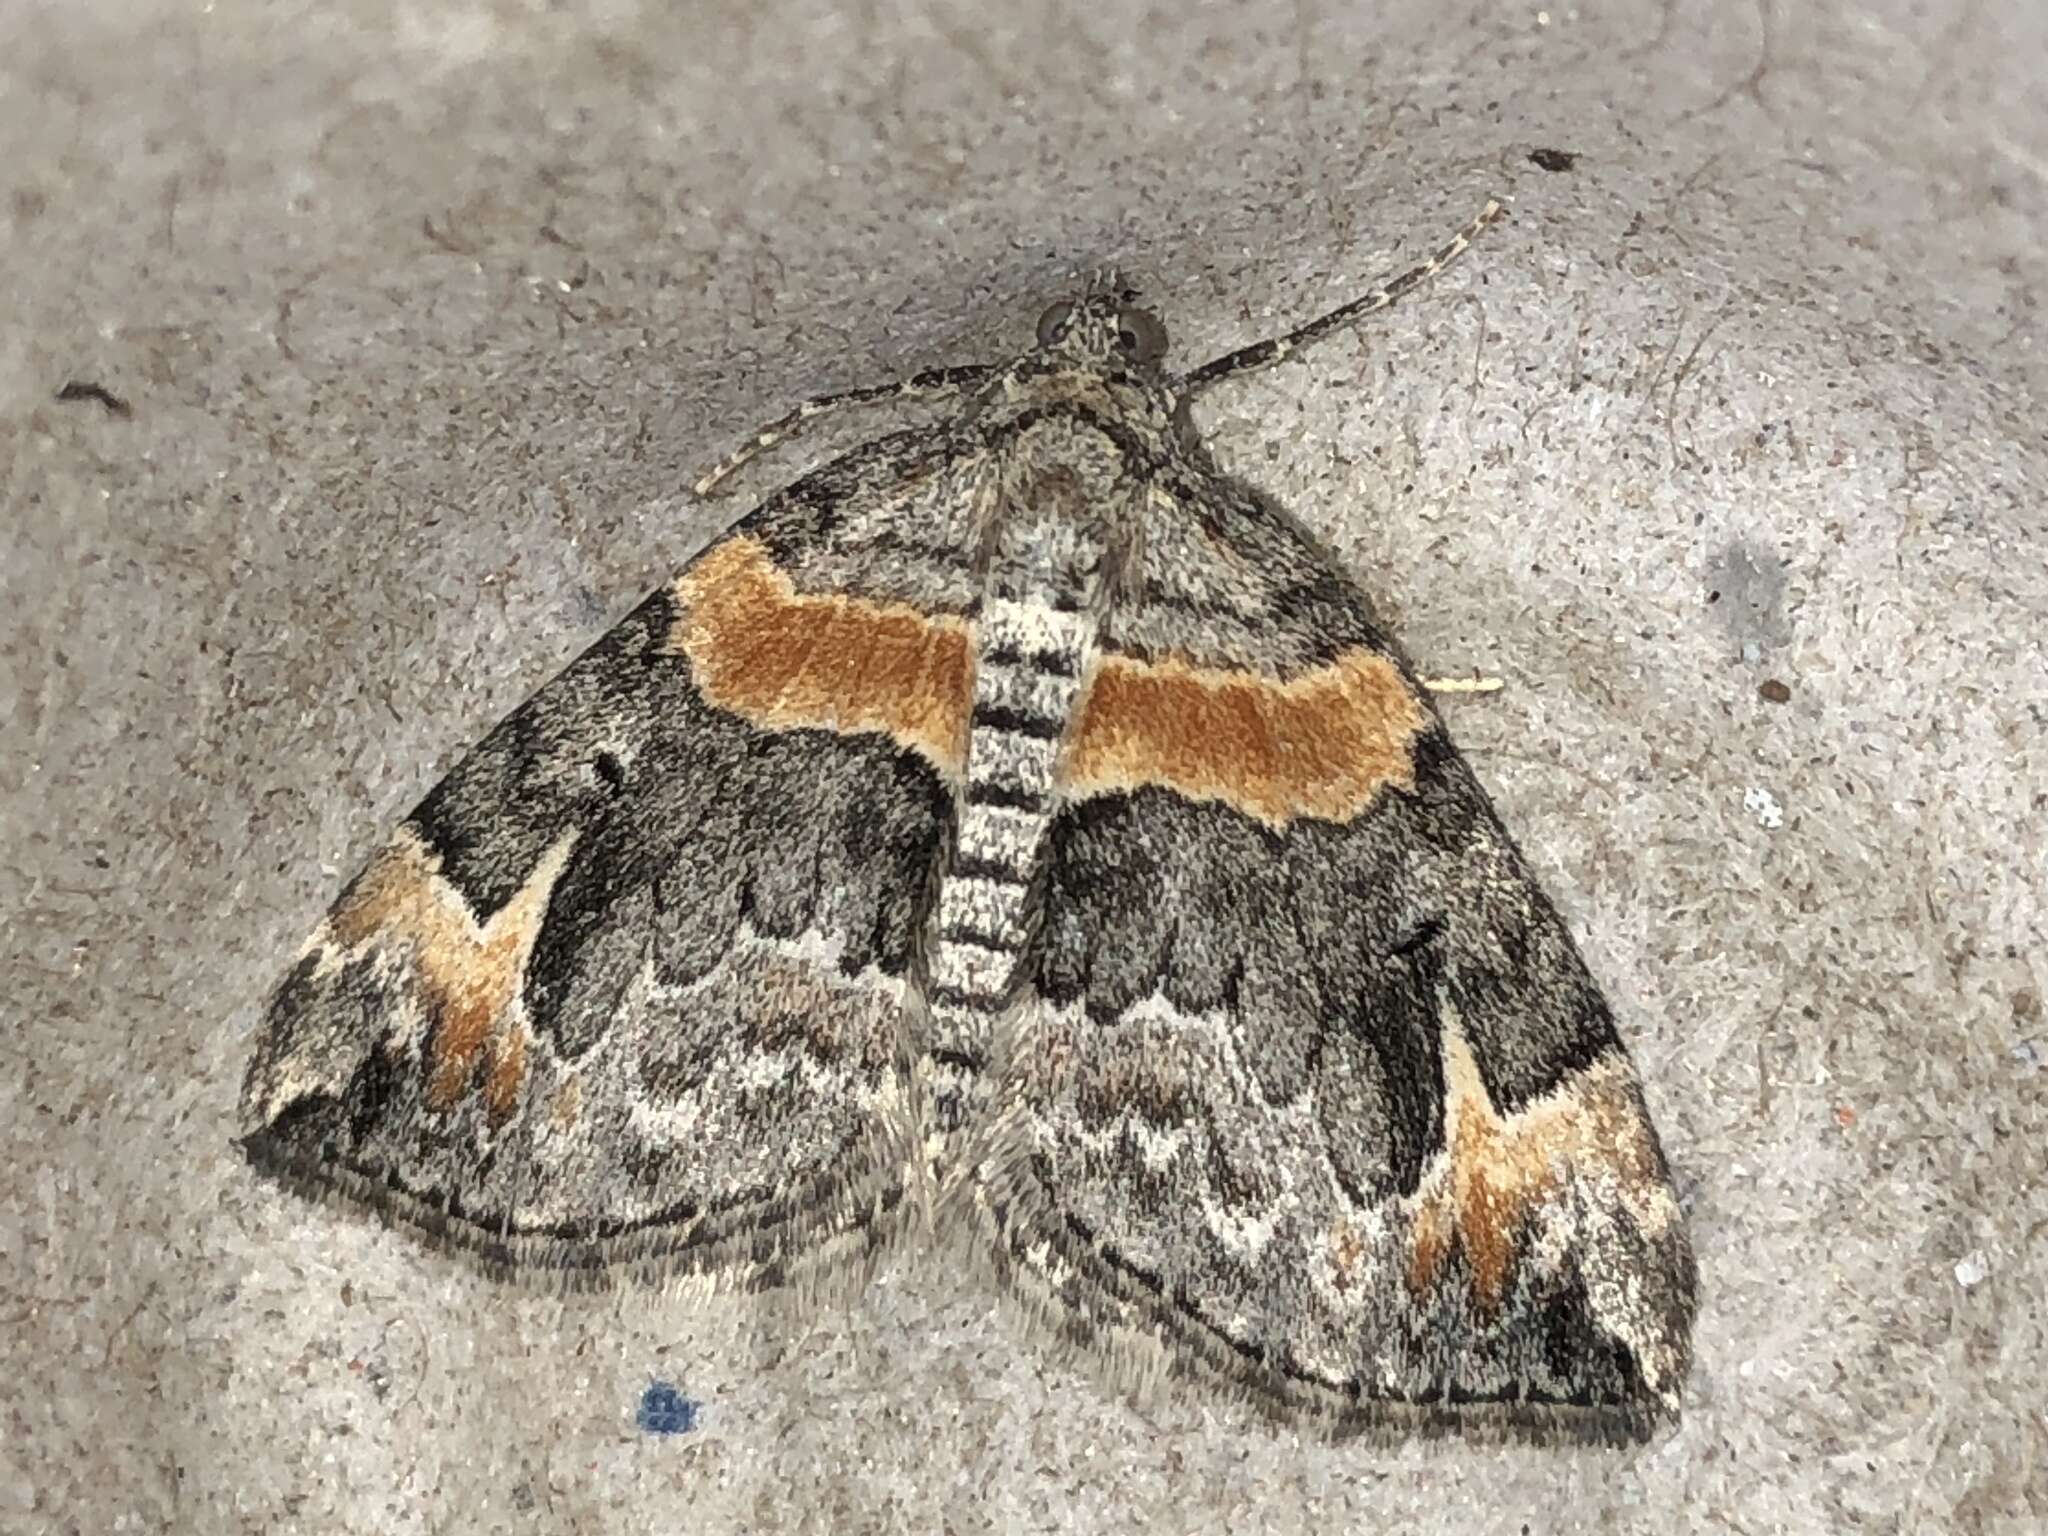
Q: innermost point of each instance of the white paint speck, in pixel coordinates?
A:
(1763, 805)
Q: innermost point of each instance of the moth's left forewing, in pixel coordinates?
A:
(428, 949)
(1321, 1090)
(629, 986)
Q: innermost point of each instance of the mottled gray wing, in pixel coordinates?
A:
(1317, 1097)
(628, 987)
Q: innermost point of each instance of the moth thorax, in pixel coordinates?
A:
(1049, 548)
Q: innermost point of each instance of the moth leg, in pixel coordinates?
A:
(1264, 354)
(932, 382)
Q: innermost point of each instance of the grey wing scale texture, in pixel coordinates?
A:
(1316, 1097)
(628, 986)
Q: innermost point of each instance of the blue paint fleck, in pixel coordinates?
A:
(665, 1411)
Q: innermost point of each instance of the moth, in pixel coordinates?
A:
(1018, 826)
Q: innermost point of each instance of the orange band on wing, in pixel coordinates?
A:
(468, 974)
(1498, 1169)
(1322, 744)
(784, 659)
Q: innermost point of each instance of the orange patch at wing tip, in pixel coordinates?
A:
(468, 975)
(786, 660)
(1501, 1169)
(1322, 744)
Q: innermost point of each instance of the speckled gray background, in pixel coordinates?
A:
(426, 313)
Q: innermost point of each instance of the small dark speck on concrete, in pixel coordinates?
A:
(665, 1411)
(76, 390)
(1771, 691)
(1553, 159)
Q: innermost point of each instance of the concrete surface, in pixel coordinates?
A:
(424, 314)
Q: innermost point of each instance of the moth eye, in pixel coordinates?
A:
(1052, 325)
(1140, 336)
(610, 772)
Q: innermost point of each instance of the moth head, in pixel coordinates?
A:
(1105, 328)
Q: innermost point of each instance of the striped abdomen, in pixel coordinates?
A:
(1027, 675)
